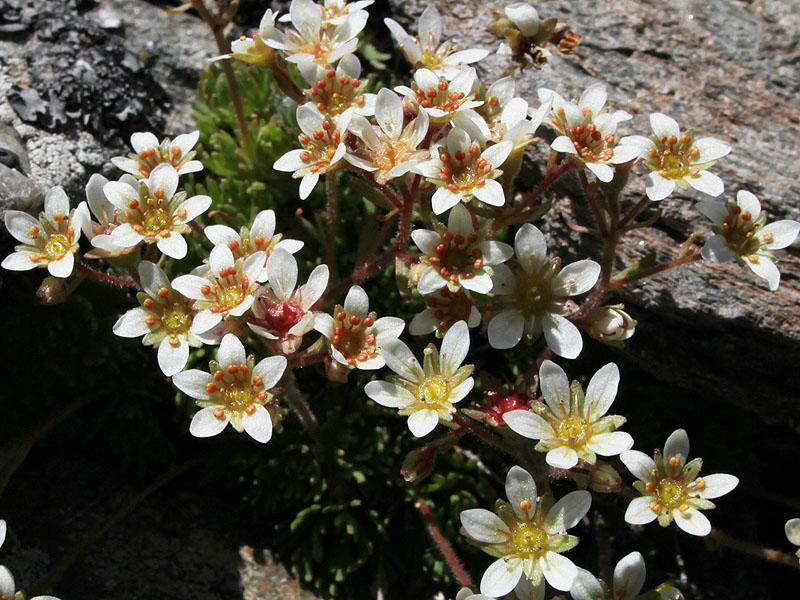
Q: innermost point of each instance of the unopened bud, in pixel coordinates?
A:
(604, 478)
(418, 464)
(611, 323)
(54, 290)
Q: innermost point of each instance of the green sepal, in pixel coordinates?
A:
(692, 469)
(562, 543)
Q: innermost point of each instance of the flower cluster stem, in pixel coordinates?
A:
(444, 546)
(224, 47)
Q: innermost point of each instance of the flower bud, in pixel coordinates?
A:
(611, 323)
(55, 290)
(415, 272)
(604, 478)
(419, 464)
(336, 371)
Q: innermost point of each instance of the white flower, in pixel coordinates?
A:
(425, 394)
(457, 256)
(671, 488)
(311, 41)
(155, 213)
(426, 50)
(791, 528)
(333, 91)
(253, 50)
(2, 532)
(335, 12)
(390, 149)
(51, 241)
(676, 158)
(444, 309)
(537, 296)
(150, 154)
(99, 233)
(235, 391)
(525, 17)
(610, 324)
(741, 234)
(355, 334)
(588, 131)
(440, 99)
(463, 171)
(572, 425)
(628, 581)
(228, 287)
(527, 536)
(283, 313)
(164, 319)
(261, 237)
(323, 147)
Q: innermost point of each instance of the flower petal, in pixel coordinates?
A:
(172, 359)
(718, 485)
(562, 336)
(484, 526)
(501, 577)
(388, 394)
(520, 488)
(555, 388)
(692, 521)
(231, 351)
(455, 346)
(677, 446)
(629, 575)
(610, 444)
(639, 464)
(601, 391)
(707, 182)
(639, 511)
(528, 424)
(193, 383)
(562, 457)
(205, 424)
(258, 425)
(422, 422)
(559, 571)
(505, 329)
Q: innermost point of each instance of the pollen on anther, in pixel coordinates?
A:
(525, 505)
(33, 230)
(211, 387)
(250, 408)
(674, 461)
(205, 289)
(158, 193)
(219, 412)
(218, 375)
(233, 369)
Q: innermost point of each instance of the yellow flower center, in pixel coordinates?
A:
(434, 390)
(57, 246)
(176, 320)
(236, 397)
(155, 220)
(670, 494)
(230, 297)
(573, 431)
(529, 540)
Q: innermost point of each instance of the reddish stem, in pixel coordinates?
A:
(444, 546)
(105, 277)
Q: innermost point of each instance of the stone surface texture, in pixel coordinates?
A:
(727, 68)
(169, 49)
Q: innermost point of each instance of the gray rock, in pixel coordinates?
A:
(728, 69)
(18, 192)
(172, 49)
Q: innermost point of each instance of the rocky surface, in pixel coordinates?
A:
(728, 68)
(77, 77)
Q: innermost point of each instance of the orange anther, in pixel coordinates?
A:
(211, 387)
(158, 193)
(219, 412)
